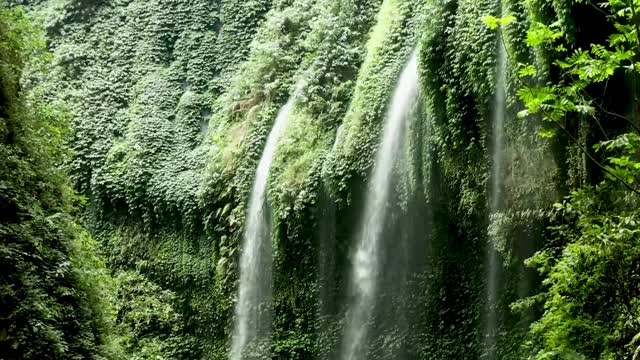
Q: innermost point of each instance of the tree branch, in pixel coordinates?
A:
(598, 9)
(617, 115)
(586, 152)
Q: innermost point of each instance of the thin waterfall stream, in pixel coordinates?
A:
(252, 322)
(493, 259)
(366, 262)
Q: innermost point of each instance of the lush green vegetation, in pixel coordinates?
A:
(130, 132)
(590, 260)
(53, 285)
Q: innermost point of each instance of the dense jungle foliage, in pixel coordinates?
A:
(130, 133)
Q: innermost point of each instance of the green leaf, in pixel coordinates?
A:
(547, 133)
(528, 70)
(491, 21)
(540, 33)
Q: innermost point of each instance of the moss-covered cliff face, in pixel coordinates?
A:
(171, 102)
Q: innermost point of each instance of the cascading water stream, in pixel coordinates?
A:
(495, 205)
(366, 257)
(253, 309)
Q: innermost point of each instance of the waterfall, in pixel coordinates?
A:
(495, 205)
(253, 309)
(366, 256)
(339, 139)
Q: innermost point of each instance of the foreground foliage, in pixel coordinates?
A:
(52, 300)
(591, 262)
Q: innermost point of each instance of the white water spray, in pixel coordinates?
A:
(493, 261)
(366, 257)
(253, 309)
